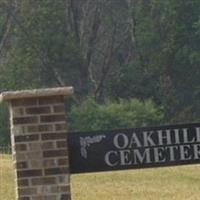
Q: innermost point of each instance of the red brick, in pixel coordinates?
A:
(59, 108)
(51, 100)
(61, 127)
(44, 197)
(47, 145)
(65, 197)
(40, 128)
(27, 191)
(32, 129)
(24, 102)
(52, 118)
(60, 189)
(18, 112)
(23, 182)
(38, 110)
(26, 138)
(29, 173)
(50, 163)
(25, 120)
(34, 146)
(20, 147)
(54, 136)
(63, 179)
(22, 165)
(64, 188)
(63, 161)
(61, 144)
(43, 181)
(55, 171)
(55, 153)
(24, 198)
(36, 163)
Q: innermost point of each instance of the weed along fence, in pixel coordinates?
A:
(45, 153)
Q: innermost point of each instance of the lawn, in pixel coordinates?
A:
(174, 183)
(7, 185)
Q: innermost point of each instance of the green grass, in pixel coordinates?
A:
(174, 183)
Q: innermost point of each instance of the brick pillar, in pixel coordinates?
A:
(38, 137)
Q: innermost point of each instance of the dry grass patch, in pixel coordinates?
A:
(7, 185)
(174, 183)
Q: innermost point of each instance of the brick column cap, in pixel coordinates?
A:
(10, 95)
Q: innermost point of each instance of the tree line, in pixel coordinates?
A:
(120, 55)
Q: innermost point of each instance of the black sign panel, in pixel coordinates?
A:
(134, 148)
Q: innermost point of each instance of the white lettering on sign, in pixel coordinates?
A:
(148, 141)
(157, 146)
(111, 158)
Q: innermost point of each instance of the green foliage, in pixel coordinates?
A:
(166, 63)
(4, 126)
(109, 49)
(134, 82)
(111, 115)
(41, 45)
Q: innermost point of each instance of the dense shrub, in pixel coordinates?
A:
(4, 126)
(93, 116)
(111, 115)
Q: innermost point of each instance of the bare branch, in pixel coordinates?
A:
(107, 64)
(133, 31)
(74, 18)
(6, 34)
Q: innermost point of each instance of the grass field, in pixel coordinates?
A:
(180, 183)
(7, 185)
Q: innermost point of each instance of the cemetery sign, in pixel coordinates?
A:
(134, 148)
